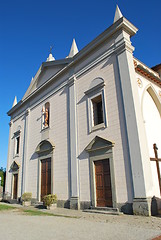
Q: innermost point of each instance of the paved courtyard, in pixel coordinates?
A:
(15, 224)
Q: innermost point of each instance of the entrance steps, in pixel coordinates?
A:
(13, 201)
(104, 210)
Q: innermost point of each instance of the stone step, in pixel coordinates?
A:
(13, 201)
(104, 210)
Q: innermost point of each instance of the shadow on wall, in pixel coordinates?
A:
(127, 208)
(155, 206)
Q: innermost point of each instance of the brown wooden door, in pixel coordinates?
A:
(15, 185)
(103, 183)
(45, 177)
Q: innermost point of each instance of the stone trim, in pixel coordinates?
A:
(101, 149)
(142, 206)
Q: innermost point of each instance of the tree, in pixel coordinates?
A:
(2, 173)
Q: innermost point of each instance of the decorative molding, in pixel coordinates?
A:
(71, 80)
(10, 123)
(44, 146)
(139, 82)
(27, 112)
(14, 167)
(17, 133)
(99, 143)
(96, 84)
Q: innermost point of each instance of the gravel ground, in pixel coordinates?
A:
(16, 225)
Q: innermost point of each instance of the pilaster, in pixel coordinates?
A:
(24, 158)
(8, 159)
(74, 198)
(137, 143)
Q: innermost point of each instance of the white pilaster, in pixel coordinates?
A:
(138, 148)
(24, 158)
(8, 175)
(74, 199)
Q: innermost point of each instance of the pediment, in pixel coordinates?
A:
(99, 143)
(14, 166)
(95, 84)
(46, 71)
(44, 146)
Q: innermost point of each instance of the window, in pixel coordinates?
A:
(97, 110)
(17, 145)
(17, 142)
(46, 115)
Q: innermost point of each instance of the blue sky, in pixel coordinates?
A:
(28, 28)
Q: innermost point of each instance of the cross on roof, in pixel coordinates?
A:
(157, 160)
(51, 47)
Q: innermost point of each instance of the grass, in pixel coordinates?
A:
(39, 213)
(4, 207)
(33, 212)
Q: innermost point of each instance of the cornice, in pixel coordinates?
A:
(146, 71)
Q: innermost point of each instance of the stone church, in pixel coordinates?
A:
(88, 128)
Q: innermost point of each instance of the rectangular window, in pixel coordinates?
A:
(97, 110)
(17, 145)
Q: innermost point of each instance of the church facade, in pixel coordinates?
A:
(88, 128)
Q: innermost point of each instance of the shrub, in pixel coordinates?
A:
(26, 196)
(48, 200)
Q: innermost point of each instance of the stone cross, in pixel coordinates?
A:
(157, 160)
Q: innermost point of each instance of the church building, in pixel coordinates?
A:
(88, 128)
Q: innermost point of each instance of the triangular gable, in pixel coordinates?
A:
(99, 143)
(14, 166)
(46, 71)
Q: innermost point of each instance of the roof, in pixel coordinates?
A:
(121, 23)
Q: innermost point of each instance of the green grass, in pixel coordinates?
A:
(39, 213)
(31, 212)
(36, 213)
(6, 207)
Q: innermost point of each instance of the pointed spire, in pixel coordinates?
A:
(50, 58)
(14, 102)
(74, 49)
(118, 14)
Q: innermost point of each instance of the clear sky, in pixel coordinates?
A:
(29, 27)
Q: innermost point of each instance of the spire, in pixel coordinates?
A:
(50, 58)
(14, 102)
(118, 14)
(74, 49)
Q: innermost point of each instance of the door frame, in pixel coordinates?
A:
(100, 149)
(13, 175)
(44, 150)
(39, 174)
(104, 160)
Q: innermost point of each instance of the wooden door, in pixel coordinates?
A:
(45, 177)
(15, 185)
(103, 183)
